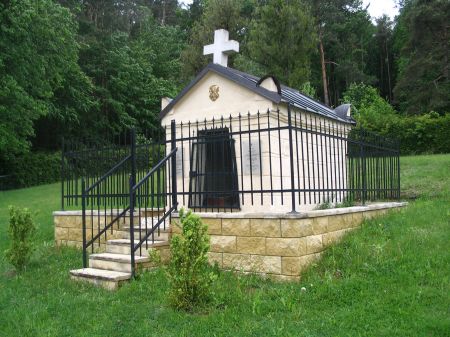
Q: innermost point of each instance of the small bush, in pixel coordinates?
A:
(189, 272)
(21, 231)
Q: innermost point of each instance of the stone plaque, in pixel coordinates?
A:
(180, 161)
(251, 157)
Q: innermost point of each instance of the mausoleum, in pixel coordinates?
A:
(276, 175)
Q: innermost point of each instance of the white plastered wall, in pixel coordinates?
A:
(318, 160)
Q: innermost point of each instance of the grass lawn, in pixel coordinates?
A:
(391, 278)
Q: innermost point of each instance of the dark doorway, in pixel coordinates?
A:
(213, 173)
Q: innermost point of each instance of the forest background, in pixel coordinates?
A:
(90, 68)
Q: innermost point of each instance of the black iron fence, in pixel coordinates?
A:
(82, 160)
(282, 161)
(288, 159)
(132, 192)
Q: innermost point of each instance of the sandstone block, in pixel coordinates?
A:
(215, 258)
(165, 255)
(76, 244)
(290, 265)
(240, 262)
(239, 227)
(61, 233)
(214, 225)
(296, 265)
(357, 219)
(266, 264)
(331, 237)
(286, 246)
(369, 214)
(265, 227)
(251, 245)
(314, 244)
(348, 220)
(221, 243)
(320, 225)
(76, 234)
(73, 221)
(174, 228)
(337, 222)
(284, 278)
(296, 228)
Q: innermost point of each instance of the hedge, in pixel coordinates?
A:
(34, 168)
(424, 134)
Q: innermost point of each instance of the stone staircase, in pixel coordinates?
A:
(110, 269)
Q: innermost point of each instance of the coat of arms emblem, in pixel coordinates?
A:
(214, 92)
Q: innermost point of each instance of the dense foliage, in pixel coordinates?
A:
(189, 273)
(39, 73)
(34, 168)
(427, 133)
(88, 67)
(21, 231)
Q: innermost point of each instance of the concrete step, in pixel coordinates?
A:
(160, 236)
(122, 246)
(150, 217)
(150, 223)
(107, 279)
(117, 262)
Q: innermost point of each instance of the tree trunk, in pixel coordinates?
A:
(324, 74)
(163, 18)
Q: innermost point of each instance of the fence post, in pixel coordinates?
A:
(132, 183)
(398, 169)
(132, 198)
(133, 156)
(174, 163)
(363, 169)
(62, 174)
(291, 157)
(83, 216)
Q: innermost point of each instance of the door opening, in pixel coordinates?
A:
(213, 172)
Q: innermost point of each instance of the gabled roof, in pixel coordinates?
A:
(288, 95)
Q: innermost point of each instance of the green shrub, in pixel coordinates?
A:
(189, 272)
(423, 134)
(21, 231)
(34, 168)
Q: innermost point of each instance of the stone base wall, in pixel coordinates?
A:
(69, 227)
(280, 245)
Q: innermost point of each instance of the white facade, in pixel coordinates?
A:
(319, 161)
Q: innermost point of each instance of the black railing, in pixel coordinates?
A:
(145, 194)
(281, 161)
(104, 204)
(126, 192)
(289, 159)
(89, 161)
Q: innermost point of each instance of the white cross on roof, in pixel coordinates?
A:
(221, 47)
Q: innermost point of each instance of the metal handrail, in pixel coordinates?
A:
(107, 174)
(154, 169)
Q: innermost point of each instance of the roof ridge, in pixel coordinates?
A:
(249, 81)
